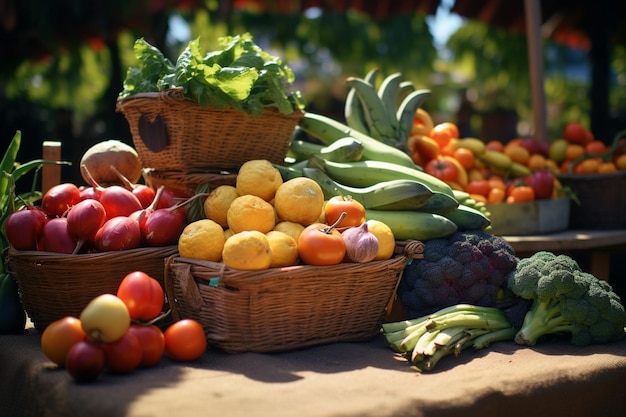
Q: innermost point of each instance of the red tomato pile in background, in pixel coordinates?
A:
(519, 170)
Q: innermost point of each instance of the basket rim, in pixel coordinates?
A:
(593, 177)
(176, 95)
(91, 256)
(404, 252)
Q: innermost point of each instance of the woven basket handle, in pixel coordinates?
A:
(411, 249)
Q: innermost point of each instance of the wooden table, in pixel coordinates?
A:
(599, 244)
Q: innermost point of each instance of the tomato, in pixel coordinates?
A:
(465, 157)
(595, 147)
(442, 133)
(142, 294)
(59, 337)
(185, 340)
(123, 355)
(320, 244)
(542, 182)
(442, 168)
(521, 193)
(152, 343)
(496, 195)
(574, 132)
(335, 206)
(480, 187)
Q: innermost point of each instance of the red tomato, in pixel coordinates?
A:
(521, 193)
(355, 212)
(142, 294)
(442, 133)
(542, 182)
(59, 337)
(123, 355)
(574, 132)
(442, 168)
(480, 187)
(185, 340)
(319, 244)
(152, 343)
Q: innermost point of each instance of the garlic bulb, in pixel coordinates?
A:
(361, 244)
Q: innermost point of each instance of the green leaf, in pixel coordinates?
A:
(240, 76)
(7, 166)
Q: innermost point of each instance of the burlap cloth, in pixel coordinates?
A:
(346, 379)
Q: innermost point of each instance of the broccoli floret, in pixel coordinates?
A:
(565, 301)
(465, 267)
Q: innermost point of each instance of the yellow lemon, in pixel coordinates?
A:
(247, 250)
(202, 239)
(217, 203)
(386, 239)
(258, 177)
(290, 228)
(299, 200)
(227, 233)
(250, 212)
(284, 249)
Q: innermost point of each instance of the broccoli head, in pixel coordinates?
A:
(565, 301)
(466, 267)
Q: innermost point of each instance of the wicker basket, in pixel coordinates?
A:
(602, 200)
(285, 308)
(172, 133)
(187, 183)
(54, 285)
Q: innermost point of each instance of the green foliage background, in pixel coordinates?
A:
(71, 92)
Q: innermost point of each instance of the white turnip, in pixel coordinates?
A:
(99, 158)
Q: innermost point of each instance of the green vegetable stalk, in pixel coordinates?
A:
(425, 340)
(12, 316)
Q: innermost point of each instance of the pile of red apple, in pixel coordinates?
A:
(75, 220)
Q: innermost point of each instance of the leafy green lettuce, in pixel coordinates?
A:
(240, 76)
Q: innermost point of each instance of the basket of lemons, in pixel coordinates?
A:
(248, 273)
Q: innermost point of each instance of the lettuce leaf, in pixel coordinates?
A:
(240, 75)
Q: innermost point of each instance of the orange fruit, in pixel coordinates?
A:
(574, 151)
(536, 161)
(606, 167)
(496, 195)
(620, 161)
(588, 166)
